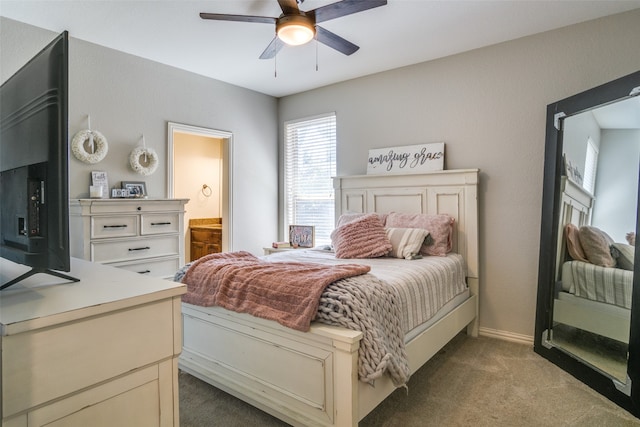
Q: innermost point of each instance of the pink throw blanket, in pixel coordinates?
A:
(288, 293)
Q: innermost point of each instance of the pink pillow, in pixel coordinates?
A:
(574, 247)
(363, 237)
(596, 245)
(351, 216)
(440, 228)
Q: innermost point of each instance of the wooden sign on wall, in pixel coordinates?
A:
(407, 159)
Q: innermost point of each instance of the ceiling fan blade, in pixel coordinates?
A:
(273, 48)
(289, 6)
(345, 7)
(335, 41)
(239, 18)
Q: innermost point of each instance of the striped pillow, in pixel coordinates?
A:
(439, 226)
(406, 242)
(624, 255)
(363, 237)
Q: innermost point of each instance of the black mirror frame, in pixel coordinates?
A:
(607, 93)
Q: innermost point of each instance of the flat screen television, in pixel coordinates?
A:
(34, 159)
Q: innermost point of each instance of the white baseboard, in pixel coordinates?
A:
(506, 336)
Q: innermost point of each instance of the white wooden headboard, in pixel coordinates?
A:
(576, 206)
(453, 192)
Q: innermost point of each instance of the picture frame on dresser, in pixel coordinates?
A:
(101, 179)
(135, 188)
(301, 236)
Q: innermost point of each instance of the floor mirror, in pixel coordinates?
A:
(588, 305)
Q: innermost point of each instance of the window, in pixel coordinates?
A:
(310, 163)
(590, 167)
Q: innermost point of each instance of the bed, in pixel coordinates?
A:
(311, 378)
(596, 299)
(590, 297)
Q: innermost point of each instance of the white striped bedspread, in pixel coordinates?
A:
(602, 284)
(424, 285)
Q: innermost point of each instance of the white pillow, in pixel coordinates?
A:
(406, 242)
(624, 255)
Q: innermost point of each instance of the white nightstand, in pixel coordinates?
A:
(269, 251)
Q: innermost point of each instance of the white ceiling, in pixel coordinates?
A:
(619, 115)
(403, 32)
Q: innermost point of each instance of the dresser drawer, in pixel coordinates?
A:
(46, 364)
(165, 267)
(114, 226)
(108, 206)
(160, 223)
(131, 400)
(131, 249)
(133, 205)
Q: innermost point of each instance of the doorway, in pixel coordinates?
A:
(199, 169)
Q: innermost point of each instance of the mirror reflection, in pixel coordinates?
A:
(595, 253)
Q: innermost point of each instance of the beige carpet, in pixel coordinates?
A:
(471, 382)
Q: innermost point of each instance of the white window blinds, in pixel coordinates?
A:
(590, 167)
(310, 163)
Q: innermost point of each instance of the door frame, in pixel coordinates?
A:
(225, 179)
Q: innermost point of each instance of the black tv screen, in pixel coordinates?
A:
(34, 178)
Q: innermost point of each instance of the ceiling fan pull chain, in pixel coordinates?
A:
(316, 37)
(275, 59)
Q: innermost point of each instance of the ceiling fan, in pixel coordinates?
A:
(296, 27)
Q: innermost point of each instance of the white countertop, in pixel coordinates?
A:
(43, 300)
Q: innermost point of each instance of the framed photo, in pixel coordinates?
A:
(301, 236)
(119, 193)
(135, 188)
(101, 180)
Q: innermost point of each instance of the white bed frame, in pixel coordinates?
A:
(593, 316)
(310, 378)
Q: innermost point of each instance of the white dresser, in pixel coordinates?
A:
(141, 235)
(98, 352)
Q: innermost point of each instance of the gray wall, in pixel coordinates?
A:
(615, 207)
(128, 96)
(489, 107)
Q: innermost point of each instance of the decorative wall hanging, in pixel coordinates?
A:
(143, 160)
(406, 160)
(89, 146)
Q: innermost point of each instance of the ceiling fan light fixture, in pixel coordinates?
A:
(295, 30)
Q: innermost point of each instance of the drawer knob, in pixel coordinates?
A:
(139, 208)
(161, 223)
(139, 249)
(115, 226)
